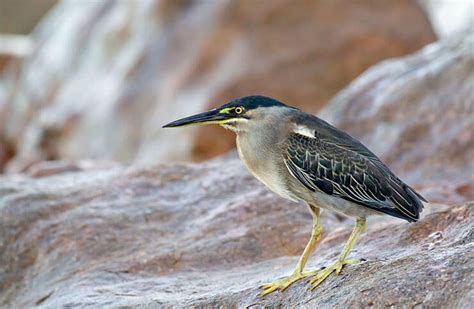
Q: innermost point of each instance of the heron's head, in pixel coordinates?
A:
(236, 115)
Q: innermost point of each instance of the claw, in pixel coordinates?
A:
(335, 267)
(282, 284)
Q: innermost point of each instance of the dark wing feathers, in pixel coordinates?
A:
(337, 164)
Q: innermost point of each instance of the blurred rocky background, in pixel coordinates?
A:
(98, 209)
(104, 76)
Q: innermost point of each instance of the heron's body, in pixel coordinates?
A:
(268, 166)
(268, 163)
(302, 158)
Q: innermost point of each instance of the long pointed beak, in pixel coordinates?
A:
(210, 117)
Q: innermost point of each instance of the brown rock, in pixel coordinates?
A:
(309, 55)
(417, 114)
(13, 50)
(187, 235)
(195, 235)
(198, 235)
(6, 152)
(102, 85)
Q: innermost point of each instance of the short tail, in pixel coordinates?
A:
(416, 199)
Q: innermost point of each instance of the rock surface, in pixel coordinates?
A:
(188, 235)
(417, 114)
(102, 85)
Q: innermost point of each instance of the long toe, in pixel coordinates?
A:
(323, 274)
(268, 288)
(320, 277)
(346, 262)
(281, 285)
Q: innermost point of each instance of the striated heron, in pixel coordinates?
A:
(303, 158)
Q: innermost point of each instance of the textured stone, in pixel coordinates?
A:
(188, 235)
(101, 235)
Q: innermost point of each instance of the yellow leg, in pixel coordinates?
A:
(297, 274)
(341, 261)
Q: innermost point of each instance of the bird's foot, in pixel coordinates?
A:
(321, 275)
(282, 284)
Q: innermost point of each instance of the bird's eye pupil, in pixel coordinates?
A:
(239, 110)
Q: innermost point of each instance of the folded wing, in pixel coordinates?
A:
(337, 164)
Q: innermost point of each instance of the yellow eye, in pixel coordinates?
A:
(239, 110)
